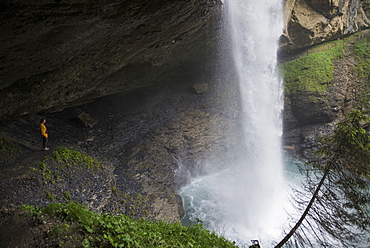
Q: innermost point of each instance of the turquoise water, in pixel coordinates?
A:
(204, 200)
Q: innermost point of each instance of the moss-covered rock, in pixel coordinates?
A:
(313, 72)
(362, 51)
(312, 108)
(63, 176)
(309, 83)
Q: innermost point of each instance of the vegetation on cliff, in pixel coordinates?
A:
(313, 72)
(67, 173)
(326, 82)
(67, 176)
(362, 50)
(72, 225)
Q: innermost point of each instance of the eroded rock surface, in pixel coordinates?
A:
(57, 54)
(309, 115)
(152, 142)
(310, 22)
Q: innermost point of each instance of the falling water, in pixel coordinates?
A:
(245, 201)
(255, 29)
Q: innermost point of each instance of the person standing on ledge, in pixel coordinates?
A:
(44, 134)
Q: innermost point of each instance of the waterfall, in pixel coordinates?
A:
(255, 29)
(245, 201)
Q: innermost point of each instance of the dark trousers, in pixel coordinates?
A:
(44, 142)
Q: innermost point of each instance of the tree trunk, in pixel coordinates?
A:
(303, 216)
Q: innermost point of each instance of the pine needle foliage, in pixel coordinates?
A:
(337, 214)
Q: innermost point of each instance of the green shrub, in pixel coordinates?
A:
(107, 230)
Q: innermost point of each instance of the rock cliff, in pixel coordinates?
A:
(60, 53)
(63, 53)
(310, 22)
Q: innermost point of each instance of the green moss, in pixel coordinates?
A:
(67, 173)
(67, 195)
(71, 158)
(48, 176)
(49, 195)
(313, 72)
(362, 51)
(59, 230)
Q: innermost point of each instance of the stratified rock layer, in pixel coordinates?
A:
(56, 54)
(61, 53)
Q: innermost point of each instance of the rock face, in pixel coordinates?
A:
(310, 22)
(56, 54)
(151, 140)
(311, 114)
(61, 53)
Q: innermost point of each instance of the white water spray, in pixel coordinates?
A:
(245, 201)
(256, 27)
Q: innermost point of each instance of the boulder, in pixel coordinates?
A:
(86, 119)
(200, 88)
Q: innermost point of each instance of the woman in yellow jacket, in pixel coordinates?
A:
(44, 134)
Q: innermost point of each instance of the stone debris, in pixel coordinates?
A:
(200, 88)
(87, 120)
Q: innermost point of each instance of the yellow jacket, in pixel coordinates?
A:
(43, 130)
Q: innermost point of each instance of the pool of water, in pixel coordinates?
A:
(220, 200)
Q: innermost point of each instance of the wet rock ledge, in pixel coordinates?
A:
(147, 144)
